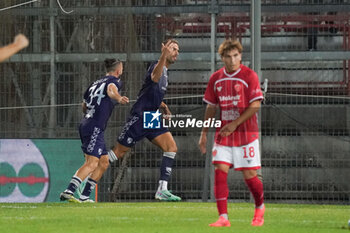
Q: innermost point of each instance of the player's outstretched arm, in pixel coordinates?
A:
(248, 113)
(112, 92)
(20, 42)
(210, 112)
(158, 69)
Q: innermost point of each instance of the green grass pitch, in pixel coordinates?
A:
(156, 217)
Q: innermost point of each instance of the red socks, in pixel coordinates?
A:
(256, 188)
(221, 191)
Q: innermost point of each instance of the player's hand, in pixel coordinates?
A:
(203, 143)
(228, 129)
(21, 41)
(166, 113)
(124, 100)
(167, 49)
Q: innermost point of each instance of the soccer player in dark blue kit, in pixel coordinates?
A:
(150, 98)
(99, 101)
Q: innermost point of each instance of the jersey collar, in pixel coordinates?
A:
(235, 73)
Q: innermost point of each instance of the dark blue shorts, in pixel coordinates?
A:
(133, 131)
(92, 139)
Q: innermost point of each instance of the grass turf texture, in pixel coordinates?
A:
(167, 217)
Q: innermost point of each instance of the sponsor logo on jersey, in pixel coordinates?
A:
(257, 91)
(229, 98)
(235, 100)
(226, 98)
(230, 115)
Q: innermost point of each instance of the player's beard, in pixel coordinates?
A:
(170, 61)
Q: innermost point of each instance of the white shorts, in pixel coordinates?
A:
(245, 157)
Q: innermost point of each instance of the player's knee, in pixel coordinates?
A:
(91, 165)
(120, 151)
(103, 164)
(172, 148)
(248, 174)
(120, 154)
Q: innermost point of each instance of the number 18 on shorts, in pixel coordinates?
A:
(240, 157)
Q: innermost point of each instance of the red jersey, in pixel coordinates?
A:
(233, 93)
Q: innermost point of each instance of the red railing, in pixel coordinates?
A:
(236, 26)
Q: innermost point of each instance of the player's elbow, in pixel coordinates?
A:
(256, 104)
(84, 108)
(211, 106)
(211, 109)
(155, 77)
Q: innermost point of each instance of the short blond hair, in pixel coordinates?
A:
(229, 45)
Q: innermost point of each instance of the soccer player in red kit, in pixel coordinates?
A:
(235, 89)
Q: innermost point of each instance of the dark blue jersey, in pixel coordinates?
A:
(151, 94)
(99, 104)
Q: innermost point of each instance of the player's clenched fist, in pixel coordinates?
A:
(21, 41)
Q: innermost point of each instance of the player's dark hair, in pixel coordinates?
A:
(229, 45)
(111, 64)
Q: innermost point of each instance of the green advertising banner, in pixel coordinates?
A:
(37, 170)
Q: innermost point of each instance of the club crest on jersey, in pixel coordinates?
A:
(219, 88)
(238, 87)
(129, 140)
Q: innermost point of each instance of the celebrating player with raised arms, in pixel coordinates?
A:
(99, 101)
(150, 98)
(235, 89)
